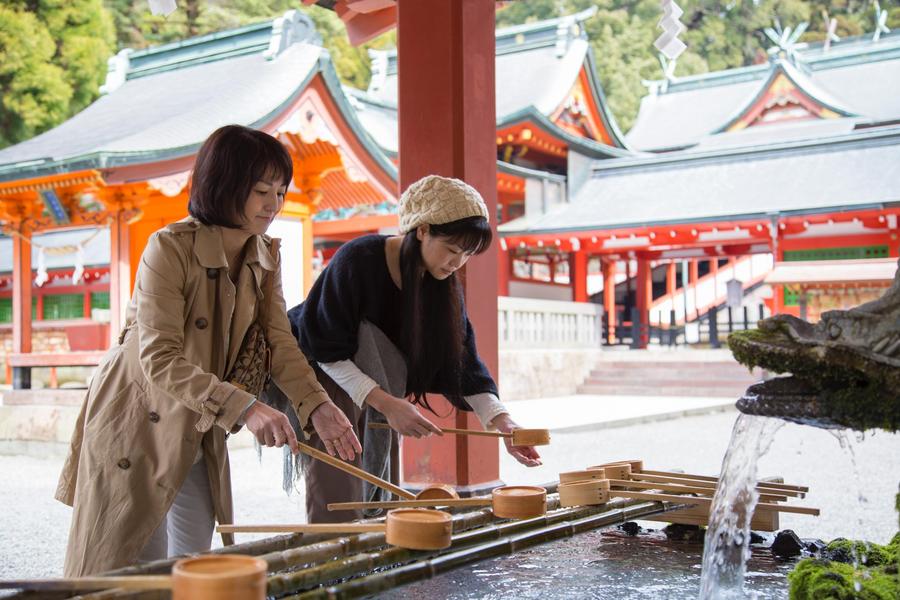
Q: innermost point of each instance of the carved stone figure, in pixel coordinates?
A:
(844, 370)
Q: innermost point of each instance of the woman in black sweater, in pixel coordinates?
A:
(405, 288)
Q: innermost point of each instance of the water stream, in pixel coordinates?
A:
(727, 545)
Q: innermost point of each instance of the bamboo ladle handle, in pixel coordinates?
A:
(451, 502)
(519, 437)
(453, 430)
(355, 471)
(133, 582)
(767, 484)
(712, 484)
(803, 510)
(304, 528)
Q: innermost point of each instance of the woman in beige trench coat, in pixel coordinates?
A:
(157, 406)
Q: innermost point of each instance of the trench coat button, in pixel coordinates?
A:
(201, 323)
(153, 416)
(124, 463)
(212, 273)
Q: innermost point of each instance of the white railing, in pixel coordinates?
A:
(531, 323)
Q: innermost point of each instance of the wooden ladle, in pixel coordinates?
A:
(519, 437)
(601, 491)
(508, 502)
(635, 470)
(415, 529)
(433, 491)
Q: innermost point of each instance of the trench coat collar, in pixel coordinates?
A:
(258, 252)
(210, 250)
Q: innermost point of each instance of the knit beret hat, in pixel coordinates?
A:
(436, 200)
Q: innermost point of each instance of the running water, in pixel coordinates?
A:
(727, 544)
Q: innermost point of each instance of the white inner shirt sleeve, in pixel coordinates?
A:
(346, 374)
(358, 385)
(486, 407)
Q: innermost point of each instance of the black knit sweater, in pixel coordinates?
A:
(355, 286)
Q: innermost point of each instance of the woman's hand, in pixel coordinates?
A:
(402, 416)
(270, 426)
(526, 455)
(335, 431)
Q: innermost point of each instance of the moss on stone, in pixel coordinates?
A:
(842, 550)
(818, 578)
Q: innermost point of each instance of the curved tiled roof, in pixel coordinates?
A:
(856, 76)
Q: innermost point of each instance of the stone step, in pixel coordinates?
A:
(656, 383)
(653, 371)
(649, 389)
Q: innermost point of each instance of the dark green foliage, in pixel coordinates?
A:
(53, 57)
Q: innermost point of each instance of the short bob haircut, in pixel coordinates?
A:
(230, 162)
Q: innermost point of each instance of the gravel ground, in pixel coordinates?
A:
(853, 486)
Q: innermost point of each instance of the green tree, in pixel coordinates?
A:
(52, 60)
(137, 28)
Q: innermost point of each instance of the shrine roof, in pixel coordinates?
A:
(537, 66)
(759, 181)
(857, 76)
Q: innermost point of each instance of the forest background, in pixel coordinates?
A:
(53, 53)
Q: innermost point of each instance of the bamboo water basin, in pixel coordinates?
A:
(326, 565)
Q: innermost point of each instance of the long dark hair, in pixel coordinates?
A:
(434, 327)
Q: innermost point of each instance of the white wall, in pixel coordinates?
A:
(291, 233)
(526, 289)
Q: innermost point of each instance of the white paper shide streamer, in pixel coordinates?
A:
(668, 43)
(162, 7)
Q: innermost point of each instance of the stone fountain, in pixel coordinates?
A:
(844, 372)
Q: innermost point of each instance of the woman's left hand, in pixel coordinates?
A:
(335, 431)
(526, 455)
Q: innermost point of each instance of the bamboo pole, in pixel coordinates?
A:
(304, 528)
(65, 584)
(546, 530)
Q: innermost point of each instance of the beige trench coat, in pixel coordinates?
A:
(156, 399)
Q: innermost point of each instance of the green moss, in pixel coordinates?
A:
(816, 579)
(875, 555)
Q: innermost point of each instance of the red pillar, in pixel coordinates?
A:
(119, 273)
(609, 298)
(447, 116)
(504, 268)
(777, 290)
(21, 303)
(671, 283)
(644, 291)
(578, 274)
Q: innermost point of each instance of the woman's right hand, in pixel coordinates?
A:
(270, 426)
(335, 431)
(401, 415)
